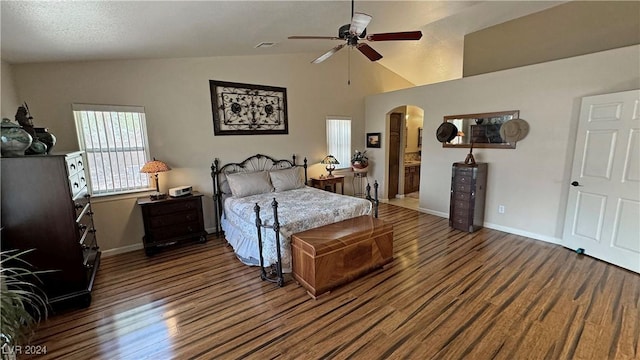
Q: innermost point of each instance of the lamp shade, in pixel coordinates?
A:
(154, 166)
(329, 159)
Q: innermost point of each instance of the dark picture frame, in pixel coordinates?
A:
(373, 140)
(248, 109)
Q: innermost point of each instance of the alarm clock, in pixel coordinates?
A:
(180, 191)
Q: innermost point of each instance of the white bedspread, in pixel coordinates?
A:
(298, 210)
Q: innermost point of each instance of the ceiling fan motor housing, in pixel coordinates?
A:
(343, 32)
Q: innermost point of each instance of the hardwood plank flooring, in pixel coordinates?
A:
(447, 295)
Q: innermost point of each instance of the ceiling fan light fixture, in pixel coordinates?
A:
(357, 30)
(359, 23)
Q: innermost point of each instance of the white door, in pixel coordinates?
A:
(603, 209)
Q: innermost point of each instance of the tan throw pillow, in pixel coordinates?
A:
(245, 184)
(287, 179)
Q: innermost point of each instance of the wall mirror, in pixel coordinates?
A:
(482, 129)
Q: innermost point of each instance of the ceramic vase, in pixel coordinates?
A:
(15, 140)
(37, 148)
(359, 166)
(45, 137)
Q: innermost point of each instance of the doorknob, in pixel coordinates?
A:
(575, 183)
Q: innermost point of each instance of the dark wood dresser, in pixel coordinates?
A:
(171, 220)
(46, 207)
(468, 189)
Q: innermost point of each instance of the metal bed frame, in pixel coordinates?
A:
(261, 162)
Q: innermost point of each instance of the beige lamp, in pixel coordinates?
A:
(331, 162)
(154, 167)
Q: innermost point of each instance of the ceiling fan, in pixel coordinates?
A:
(356, 31)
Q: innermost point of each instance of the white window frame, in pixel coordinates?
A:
(111, 149)
(339, 140)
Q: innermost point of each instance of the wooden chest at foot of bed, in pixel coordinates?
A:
(331, 255)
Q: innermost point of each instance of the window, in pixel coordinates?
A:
(339, 140)
(115, 141)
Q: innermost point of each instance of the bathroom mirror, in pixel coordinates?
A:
(482, 129)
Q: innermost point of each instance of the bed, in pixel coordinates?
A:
(260, 202)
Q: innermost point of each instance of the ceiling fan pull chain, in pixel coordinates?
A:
(349, 69)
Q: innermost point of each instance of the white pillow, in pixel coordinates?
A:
(287, 179)
(245, 184)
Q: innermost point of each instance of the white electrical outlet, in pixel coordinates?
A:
(501, 209)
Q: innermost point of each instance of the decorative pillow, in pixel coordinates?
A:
(287, 179)
(245, 184)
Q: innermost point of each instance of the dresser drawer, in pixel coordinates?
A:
(173, 207)
(77, 183)
(463, 180)
(173, 219)
(462, 171)
(457, 187)
(75, 164)
(175, 231)
(460, 212)
(88, 239)
(461, 222)
(84, 224)
(463, 196)
(461, 204)
(81, 204)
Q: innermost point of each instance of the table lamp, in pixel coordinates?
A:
(154, 167)
(331, 162)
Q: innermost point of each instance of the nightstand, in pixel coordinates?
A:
(329, 183)
(172, 220)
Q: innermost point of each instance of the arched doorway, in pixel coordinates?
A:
(405, 153)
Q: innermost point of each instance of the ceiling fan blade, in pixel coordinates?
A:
(314, 37)
(359, 22)
(369, 52)
(328, 54)
(406, 35)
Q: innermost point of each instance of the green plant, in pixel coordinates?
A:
(23, 303)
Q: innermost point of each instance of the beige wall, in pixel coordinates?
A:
(176, 97)
(9, 97)
(532, 180)
(552, 34)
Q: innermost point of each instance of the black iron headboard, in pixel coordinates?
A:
(253, 163)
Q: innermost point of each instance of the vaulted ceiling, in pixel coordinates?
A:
(45, 31)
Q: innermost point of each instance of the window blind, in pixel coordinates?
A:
(114, 139)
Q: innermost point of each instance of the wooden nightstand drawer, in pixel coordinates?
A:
(173, 207)
(179, 230)
(173, 219)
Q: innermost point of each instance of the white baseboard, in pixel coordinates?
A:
(432, 212)
(530, 235)
(506, 229)
(210, 230)
(139, 246)
(122, 250)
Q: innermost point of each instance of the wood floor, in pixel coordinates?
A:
(447, 295)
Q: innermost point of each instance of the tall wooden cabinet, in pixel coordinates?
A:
(46, 207)
(468, 189)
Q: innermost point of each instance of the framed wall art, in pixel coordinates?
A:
(373, 140)
(247, 109)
